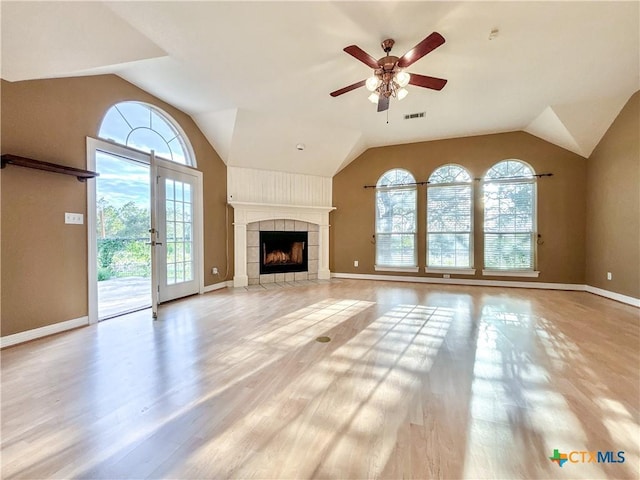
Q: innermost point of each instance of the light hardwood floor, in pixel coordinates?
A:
(418, 381)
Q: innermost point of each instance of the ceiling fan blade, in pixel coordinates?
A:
(383, 103)
(430, 43)
(361, 55)
(348, 89)
(427, 82)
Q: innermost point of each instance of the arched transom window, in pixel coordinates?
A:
(396, 203)
(144, 127)
(509, 216)
(449, 218)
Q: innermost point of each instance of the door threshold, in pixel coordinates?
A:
(126, 312)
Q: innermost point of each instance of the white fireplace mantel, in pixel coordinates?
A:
(244, 213)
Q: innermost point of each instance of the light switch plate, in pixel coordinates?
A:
(74, 218)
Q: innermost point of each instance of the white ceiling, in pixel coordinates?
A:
(256, 76)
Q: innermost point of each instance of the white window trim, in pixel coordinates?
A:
(451, 270)
(510, 273)
(381, 268)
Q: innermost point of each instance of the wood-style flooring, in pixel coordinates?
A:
(418, 381)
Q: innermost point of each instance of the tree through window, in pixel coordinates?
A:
(509, 216)
(449, 218)
(145, 127)
(396, 203)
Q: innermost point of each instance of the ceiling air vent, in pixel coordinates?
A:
(414, 115)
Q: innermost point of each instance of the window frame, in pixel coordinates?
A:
(180, 135)
(397, 187)
(532, 180)
(467, 270)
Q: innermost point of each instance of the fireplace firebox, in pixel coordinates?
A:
(282, 252)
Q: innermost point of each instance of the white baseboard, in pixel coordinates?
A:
(493, 283)
(45, 331)
(462, 281)
(218, 286)
(613, 295)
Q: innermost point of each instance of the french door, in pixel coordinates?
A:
(175, 233)
(177, 251)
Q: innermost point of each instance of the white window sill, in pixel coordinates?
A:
(510, 273)
(379, 268)
(451, 271)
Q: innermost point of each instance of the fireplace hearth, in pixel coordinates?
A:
(282, 252)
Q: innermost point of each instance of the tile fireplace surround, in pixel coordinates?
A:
(281, 225)
(250, 218)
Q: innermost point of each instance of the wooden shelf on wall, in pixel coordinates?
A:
(80, 174)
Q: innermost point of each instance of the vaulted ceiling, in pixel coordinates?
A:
(256, 76)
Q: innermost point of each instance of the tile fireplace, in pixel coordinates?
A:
(250, 219)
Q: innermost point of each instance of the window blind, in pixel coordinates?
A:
(396, 226)
(449, 226)
(509, 224)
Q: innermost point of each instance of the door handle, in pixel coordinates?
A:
(153, 244)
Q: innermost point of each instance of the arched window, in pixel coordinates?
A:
(509, 216)
(449, 219)
(396, 204)
(145, 127)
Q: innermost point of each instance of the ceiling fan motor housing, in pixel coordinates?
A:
(388, 63)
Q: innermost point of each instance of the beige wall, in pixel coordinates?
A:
(561, 198)
(613, 205)
(44, 261)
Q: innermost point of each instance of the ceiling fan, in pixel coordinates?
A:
(389, 78)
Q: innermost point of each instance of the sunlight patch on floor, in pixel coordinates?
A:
(358, 392)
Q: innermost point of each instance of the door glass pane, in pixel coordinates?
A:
(169, 186)
(171, 253)
(178, 227)
(171, 273)
(179, 272)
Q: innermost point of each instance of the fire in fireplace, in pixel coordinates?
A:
(282, 252)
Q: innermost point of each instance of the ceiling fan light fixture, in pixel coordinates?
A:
(403, 92)
(373, 82)
(402, 79)
(374, 97)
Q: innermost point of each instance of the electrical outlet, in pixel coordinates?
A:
(214, 271)
(446, 275)
(609, 276)
(73, 218)
(355, 263)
